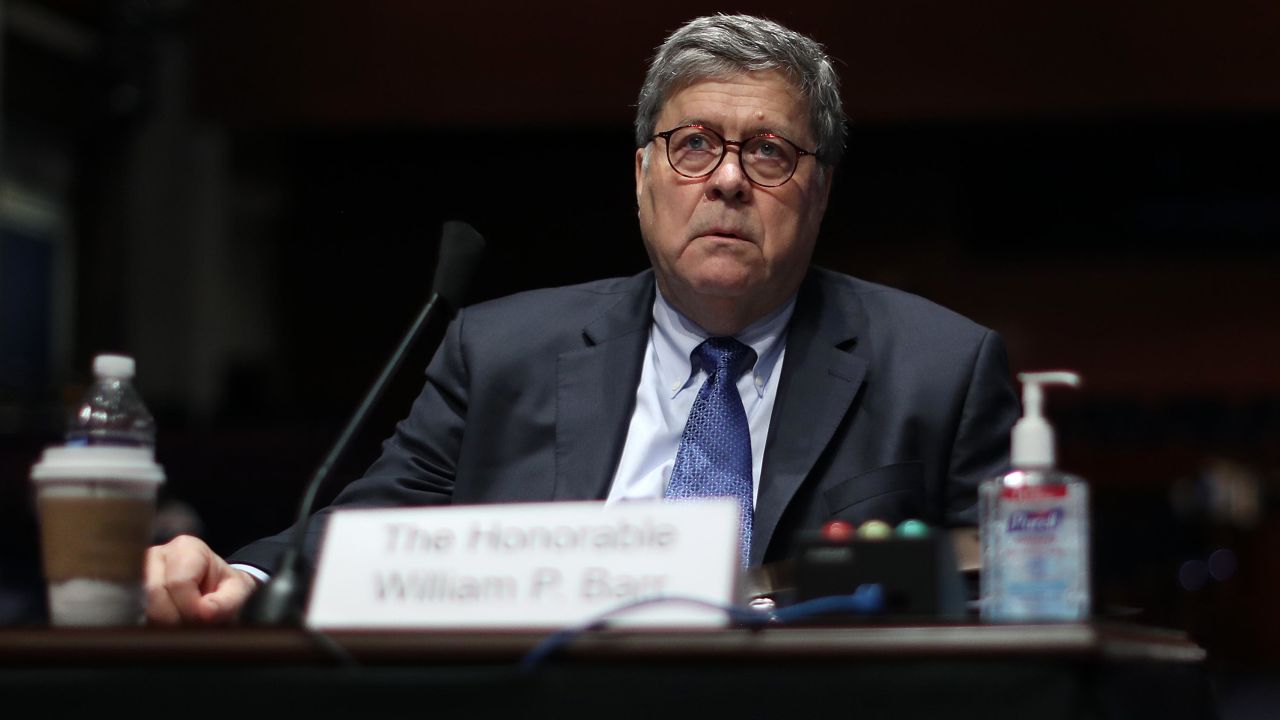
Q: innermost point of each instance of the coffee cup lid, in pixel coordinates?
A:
(131, 464)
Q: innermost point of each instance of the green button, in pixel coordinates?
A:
(912, 529)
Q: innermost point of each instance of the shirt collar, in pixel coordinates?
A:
(675, 336)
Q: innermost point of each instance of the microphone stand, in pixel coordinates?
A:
(279, 602)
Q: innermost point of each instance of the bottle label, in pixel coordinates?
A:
(1036, 521)
(1030, 493)
(1037, 554)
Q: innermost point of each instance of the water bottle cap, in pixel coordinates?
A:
(114, 366)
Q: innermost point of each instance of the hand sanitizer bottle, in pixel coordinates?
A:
(1034, 524)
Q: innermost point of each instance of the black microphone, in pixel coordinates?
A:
(279, 601)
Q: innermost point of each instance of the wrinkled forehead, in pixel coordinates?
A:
(800, 105)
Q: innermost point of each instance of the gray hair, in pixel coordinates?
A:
(717, 46)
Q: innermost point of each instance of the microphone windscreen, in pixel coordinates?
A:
(460, 250)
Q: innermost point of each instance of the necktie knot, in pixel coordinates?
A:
(725, 356)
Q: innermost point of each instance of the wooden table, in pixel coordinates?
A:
(899, 671)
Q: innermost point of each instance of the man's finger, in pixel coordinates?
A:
(232, 590)
(160, 609)
(185, 570)
(184, 592)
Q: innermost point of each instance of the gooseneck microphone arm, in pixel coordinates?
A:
(279, 601)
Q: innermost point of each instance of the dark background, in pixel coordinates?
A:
(247, 197)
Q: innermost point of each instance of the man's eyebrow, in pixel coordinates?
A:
(698, 121)
(758, 130)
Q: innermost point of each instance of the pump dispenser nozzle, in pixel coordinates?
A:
(1032, 434)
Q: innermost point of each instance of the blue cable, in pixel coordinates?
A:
(867, 599)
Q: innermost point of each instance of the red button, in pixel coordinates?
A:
(837, 530)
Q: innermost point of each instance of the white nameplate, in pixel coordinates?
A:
(539, 566)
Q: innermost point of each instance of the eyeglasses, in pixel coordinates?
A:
(768, 160)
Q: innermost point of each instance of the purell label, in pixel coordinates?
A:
(1036, 552)
(1035, 521)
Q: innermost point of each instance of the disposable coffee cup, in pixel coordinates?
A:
(96, 507)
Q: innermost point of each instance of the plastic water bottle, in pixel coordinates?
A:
(111, 411)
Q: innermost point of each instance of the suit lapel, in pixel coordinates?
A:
(596, 392)
(820, 378)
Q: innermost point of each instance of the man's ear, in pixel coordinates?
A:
(639, 175)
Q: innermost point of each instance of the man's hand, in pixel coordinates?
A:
(188, 584)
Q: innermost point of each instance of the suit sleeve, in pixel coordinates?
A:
(981, 446)
(418, 462)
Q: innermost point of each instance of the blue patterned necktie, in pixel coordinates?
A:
(714, 458)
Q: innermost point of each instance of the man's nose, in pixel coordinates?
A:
(728, 181)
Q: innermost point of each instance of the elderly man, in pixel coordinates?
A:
(732, 367)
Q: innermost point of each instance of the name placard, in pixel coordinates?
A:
(536, 565)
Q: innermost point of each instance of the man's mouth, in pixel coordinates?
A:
(723, 234)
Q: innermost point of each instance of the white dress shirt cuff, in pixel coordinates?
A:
(257, 573)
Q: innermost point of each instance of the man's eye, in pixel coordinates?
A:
(697, 142)
(773, 151)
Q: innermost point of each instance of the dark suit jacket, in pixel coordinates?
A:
(888, 407)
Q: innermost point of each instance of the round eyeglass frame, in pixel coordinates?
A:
(724, 150)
